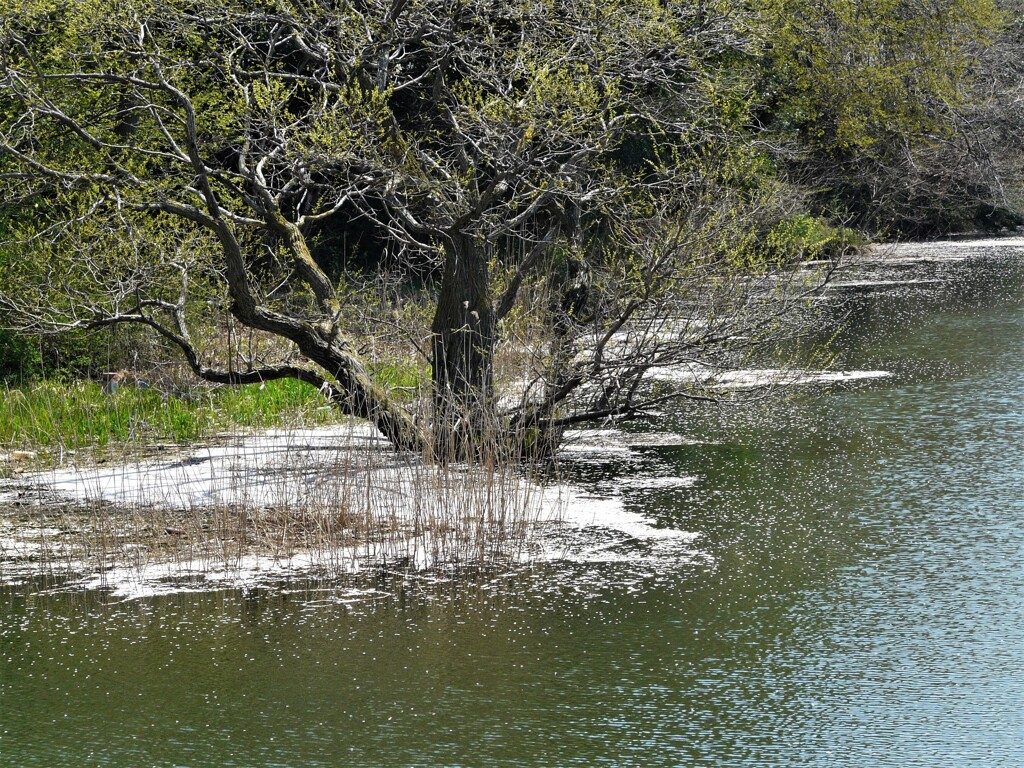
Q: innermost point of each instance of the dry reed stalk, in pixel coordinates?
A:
(339, 508)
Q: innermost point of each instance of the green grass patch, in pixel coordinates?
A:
(401, 376)
(76, 415)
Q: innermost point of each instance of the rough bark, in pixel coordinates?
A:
(463, 347)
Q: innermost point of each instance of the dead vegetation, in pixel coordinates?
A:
(329, 500)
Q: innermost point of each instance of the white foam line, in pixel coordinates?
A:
(881, 283)
(765, 377)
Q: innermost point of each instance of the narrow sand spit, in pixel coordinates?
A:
(312, 502)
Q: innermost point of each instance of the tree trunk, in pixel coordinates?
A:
(463, 351)
(356, 392)
(366, 400)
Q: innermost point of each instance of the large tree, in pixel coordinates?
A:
(581, 161)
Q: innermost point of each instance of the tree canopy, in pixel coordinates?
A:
(888, 108)
(610, 171)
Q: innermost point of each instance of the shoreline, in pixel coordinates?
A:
(335, 501)
(403, 518)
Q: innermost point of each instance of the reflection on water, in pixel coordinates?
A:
(855, 597)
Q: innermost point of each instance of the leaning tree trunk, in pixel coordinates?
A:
(356, 392)
(463, 351)
(365, 399)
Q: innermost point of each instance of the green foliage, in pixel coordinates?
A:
(20, 358)
(875, 99)
(197, 167)
(806, 237)
(24, 357)
(855, 74)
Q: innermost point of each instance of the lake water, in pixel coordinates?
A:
(854, 597)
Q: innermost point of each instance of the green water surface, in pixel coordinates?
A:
(854, 597)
